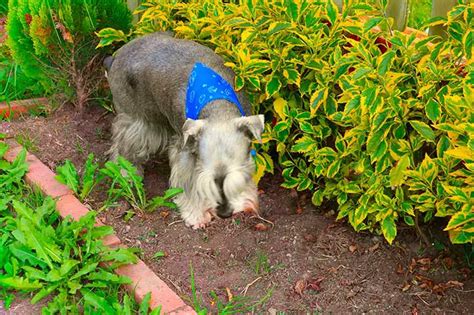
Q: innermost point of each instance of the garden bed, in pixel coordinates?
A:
(307, 261)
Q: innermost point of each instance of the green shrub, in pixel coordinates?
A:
(53, 41)
(378, 121)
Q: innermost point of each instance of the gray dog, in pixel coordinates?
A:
(177, 95)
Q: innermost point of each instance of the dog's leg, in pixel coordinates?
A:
(136, 139)
(191, 207)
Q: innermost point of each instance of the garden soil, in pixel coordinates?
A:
(305, 261)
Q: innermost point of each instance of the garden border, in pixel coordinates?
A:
(144, 280)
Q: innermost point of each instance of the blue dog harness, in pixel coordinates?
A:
(204, 86)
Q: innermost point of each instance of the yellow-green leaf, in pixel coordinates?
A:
(389, 229)
(279, 106)
(459, 219)
(462, 153)
(423, 129)
(397, 173)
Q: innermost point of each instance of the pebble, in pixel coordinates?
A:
(127, 229)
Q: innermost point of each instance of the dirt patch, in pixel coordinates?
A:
(307, 261)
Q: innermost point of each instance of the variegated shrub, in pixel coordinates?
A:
(380, 121)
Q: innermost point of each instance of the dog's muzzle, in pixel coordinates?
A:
(223, 209)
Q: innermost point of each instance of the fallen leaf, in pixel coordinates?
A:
(454, 283)
(406, 287)
(164, 214)
(230, 296)
(424, 261)
(352, 248)
(261, 227)
(414, 310)
(448, 262)
(412, 266)
(426, 283)
(374, 248)
(300, 286)
(399, 269)
(314, 284)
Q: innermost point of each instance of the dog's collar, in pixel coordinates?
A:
(204, 86)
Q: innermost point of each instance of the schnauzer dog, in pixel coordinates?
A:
(177, 95)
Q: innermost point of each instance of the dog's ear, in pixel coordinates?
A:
(252, 124)
(192, 128)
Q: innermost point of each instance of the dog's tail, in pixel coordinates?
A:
(108, 61)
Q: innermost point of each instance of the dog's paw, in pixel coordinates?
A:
(198, 222)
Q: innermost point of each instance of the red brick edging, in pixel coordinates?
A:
(144, 280)
(15, 109)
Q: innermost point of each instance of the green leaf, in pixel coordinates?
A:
(371, 23)
(145, 304)
(317, 198)
(19, 283)
(397, 173)
(462, 153)
(84, 270)
(333, 169)
(385, 62)
(276, 27)
(332, 11)
(423, 129)
(98, 302)
(109, 35)
(389, 229)
(458, 219)
(433, 110)
(68, 175)
(273, 86)
(160, 254)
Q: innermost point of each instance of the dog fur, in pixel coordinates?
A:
(209, 157)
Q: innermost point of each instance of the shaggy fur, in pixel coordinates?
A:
(209, 157)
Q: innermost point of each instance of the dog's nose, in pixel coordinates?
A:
(223, 211)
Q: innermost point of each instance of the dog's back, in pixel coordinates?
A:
(149, 76)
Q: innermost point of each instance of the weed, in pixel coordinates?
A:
(262, 264)
(42, 255)
(27, 141)
(128, 184)
(236, 305)
(82, 186)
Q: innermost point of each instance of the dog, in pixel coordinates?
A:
(176, 95)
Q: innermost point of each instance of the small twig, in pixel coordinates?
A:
(244, 291)
(464, 291)
(264, 220)
(420, 232)
(422, 299)
(174, 222)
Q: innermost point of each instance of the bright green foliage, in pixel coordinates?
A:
(45, 256)
(53, 40)
(126, 183)
(82, 186)
(385, 128)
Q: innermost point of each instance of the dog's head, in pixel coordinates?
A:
(224, 163)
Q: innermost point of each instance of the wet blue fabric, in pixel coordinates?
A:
(204, 86)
